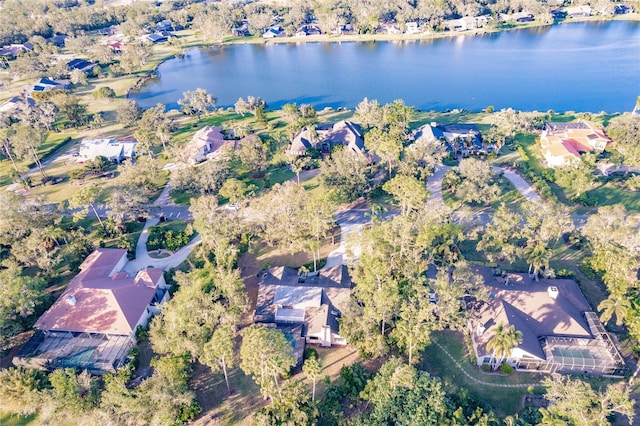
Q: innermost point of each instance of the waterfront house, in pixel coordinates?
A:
(326, 136)
(461, 139)
(208, 142)
(93, 323)
(81, 64)
(562, 144)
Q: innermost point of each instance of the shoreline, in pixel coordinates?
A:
(367, 38)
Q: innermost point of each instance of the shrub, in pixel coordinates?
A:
(310, 353)
(506, 368)
(485, 367)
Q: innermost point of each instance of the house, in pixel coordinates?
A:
(155, 38)
(45, 84)
(81, 64)
(466, 23)
(562, 143)
(560, 331)
(388, 28)
(308, 30)
(164, 25)
(273, 32)
(582, 11)
(241, 30)
(313, 300)
(518, 17)
(93, 323)
(13, 50)
(208, 142)
(113, 149)
(412, 27)
(326, 136)
(459, 139)
(57, 40)
(15, 104)
(622, 9)
(116, 47)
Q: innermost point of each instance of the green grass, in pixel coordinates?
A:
(13, 420)
(504, 401)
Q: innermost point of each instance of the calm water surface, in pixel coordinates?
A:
(574, 66)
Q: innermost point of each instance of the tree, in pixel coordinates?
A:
(504, 340)
(128, 112)
(577, 176)
(292, 408)
(104, 92)
(253, 153)
(312, 369)
(8, 151)
(614, 305)
(497, 241)
(21, 390)
(218, 352)
(408, 191)
(71, 109)
(401, 395)
(415, 323)
(25, 141)
(575, 403)
(78, 77)
(250, 105)
(83, 199)
(347, 173)
(624, 130)
(298, 164)
(20, 295)
(386, 144)
(197, 102)
(369, 113)
(236, 190)
(266, 354)
(476, 182)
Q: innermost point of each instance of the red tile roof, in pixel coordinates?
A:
(101, 300)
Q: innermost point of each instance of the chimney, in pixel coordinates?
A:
(480, 330)
(434, 124)
(553, 292)
(71, 300)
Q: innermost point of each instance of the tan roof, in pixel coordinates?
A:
(95, 302)
(527, 305)
(568, 140)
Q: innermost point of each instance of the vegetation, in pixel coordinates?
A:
(41, 246)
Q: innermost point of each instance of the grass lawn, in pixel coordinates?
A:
(13, 420)
(503, 400)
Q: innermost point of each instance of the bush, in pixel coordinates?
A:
(506, 368)
(485, 367)
(310, 353)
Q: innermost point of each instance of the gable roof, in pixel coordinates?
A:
(345, 133)
(101, 299)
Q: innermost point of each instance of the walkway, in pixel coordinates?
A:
(469, 376)
(434, 183)
(143, 260)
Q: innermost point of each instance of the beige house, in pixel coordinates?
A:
(93, 323)
(326, 136)
(112, 149)
(314, 300)
(207, 143)
(560, 331)
(562, 144)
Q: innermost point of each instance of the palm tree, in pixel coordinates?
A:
(614, 305)
(538, 258)
(505, 339)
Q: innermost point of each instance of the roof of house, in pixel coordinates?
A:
(530, 308)
(565, 141)
(322, 296)
(110, 148)
(343, 133)
(96, 302)
(80, 64)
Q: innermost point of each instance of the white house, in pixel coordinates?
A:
(112, 149)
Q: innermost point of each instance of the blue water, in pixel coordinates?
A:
(587, 66)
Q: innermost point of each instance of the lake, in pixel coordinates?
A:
(586, 66)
